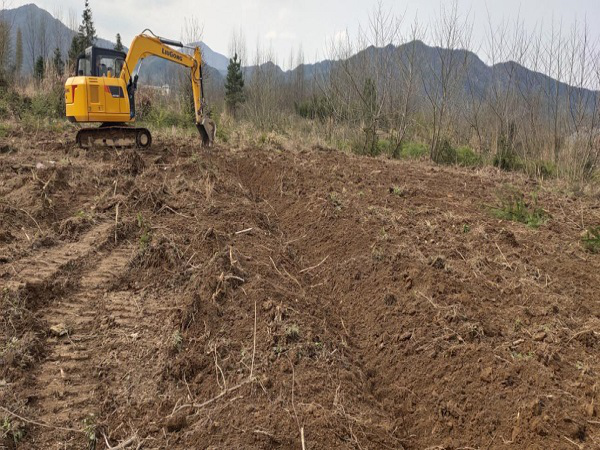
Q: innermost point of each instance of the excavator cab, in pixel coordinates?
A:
(98, 93)
(103, 90)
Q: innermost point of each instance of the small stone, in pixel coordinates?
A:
(537, 426)
(439, 262)
(539, 336)
(486, 374)
(590, 410)
(267, 305)
(406, 336)
(390, 299)
(176, 423)
(59, 330)
(536, 407)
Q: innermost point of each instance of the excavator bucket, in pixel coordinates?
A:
(207, 129)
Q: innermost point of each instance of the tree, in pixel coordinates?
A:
(19, 52)
(4, 47)
(39, 68)
(119, 46)
(74, 51)
(86, 29)
(371, 116)
(234, 85)
(31, 35)
(58, 63)
(85, 37)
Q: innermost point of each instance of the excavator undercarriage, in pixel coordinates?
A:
(114, 136)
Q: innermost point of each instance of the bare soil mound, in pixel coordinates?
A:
(259, 298)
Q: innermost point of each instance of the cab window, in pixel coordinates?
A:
(106, 64)
(84, 68)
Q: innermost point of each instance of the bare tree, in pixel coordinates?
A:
(360, 84)
(43, 44)
(6, 27)
(555, 54)
(444, 72)
(31, 35)
(237, 45)
(403, 103)
(264, 89)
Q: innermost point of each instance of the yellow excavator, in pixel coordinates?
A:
(103, 91)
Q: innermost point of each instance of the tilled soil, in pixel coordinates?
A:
(266, 298)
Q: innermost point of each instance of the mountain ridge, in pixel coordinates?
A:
(157, 71)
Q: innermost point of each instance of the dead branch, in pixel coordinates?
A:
(308, 269)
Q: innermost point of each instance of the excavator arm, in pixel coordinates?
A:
(145, 45)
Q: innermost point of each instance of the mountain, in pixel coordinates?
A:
(42, 33)
(213, 59)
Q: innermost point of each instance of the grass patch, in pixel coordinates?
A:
(12, 430)
(541, 169)
(413, 150)
(292, 333)
(516, 208)
(466, 157)
(591, 240)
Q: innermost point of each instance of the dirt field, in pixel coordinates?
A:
(266, 298)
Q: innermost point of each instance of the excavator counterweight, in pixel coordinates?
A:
(103, 91)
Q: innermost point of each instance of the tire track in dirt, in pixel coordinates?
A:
(44, 265)
(67, 380)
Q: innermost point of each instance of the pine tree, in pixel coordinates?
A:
(4, 48)
(85, 37)
(234, 85)
(19, 52)
(119, 45)
(58, 63)
(39, 69)
(74, 51)
(86, 29)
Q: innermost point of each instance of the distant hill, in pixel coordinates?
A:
(47, 33)
(42, 33)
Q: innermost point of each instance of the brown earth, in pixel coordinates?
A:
(267, 298)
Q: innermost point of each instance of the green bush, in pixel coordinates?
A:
(4, 108)
(50, 104)
(508, 161)
(445, 153)
(514, 207)
(413, 150)
(163, 117)
(466, 157)
(384, 146)
(541, 168)
(314, 108)
(591, 240)
(368, 145)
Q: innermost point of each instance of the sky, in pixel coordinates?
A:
(285, 26)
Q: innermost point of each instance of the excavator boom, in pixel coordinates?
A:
(104, 91)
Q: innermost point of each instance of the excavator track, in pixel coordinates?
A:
(114, 137)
